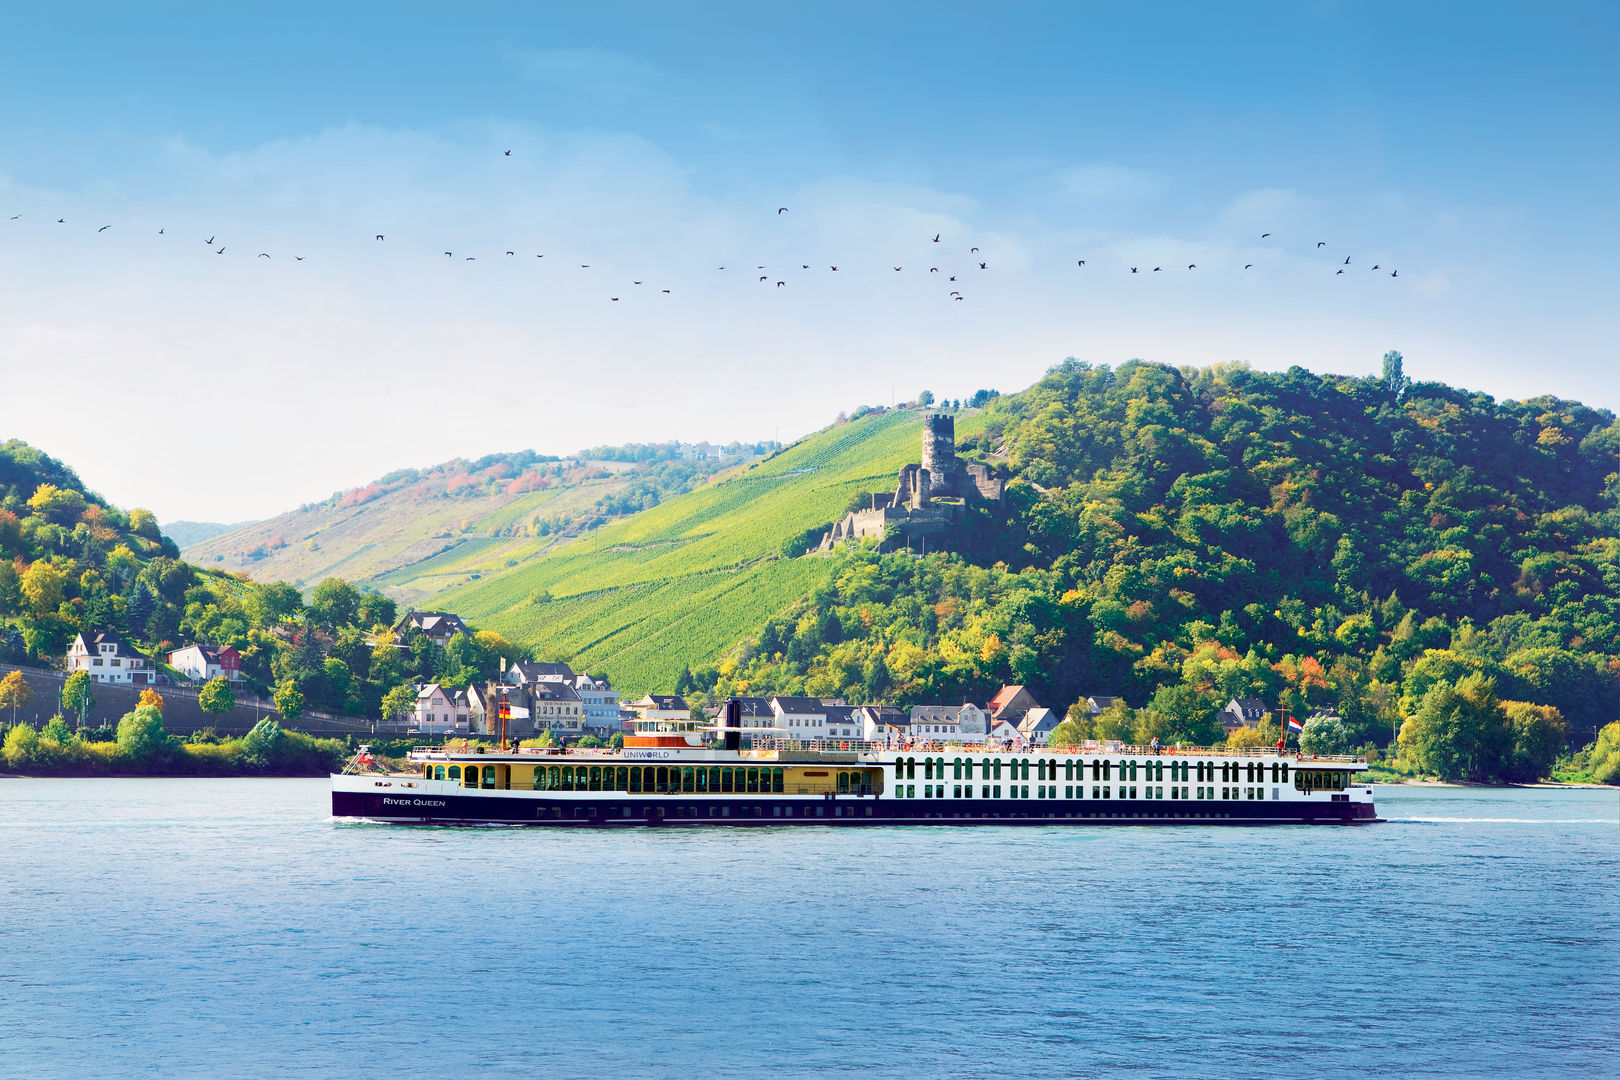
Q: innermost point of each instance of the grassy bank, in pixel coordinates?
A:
(141, 747)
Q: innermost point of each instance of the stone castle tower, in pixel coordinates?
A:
(939, 453)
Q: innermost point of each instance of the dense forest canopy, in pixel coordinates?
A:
(1183, 536)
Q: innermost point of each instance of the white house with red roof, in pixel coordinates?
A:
(200, 662)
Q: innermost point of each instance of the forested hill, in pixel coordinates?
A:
(1187, 536)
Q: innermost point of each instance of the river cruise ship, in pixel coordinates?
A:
(680, 773)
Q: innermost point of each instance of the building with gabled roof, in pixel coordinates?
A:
(108, 658)
(200, 662)
(439, 626)
(1242, 712)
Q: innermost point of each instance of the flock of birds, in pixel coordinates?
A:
(948, 275)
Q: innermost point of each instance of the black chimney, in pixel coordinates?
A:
(731, 724)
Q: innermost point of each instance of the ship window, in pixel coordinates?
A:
(1133, 770)
(1068, 770)
(998, 791)
(714, 779)
(997, 764)
(623, 779)
(956, 769)
(727, 781)
(688, 780)
(778, 780)
(661, 780)
(489, 776)
(1026, 769)
(635, 779)
(843, 783)
(1285, 772)
(455, 772)
(753, 781)
(438, 772)
(594, 782)
(469, 777)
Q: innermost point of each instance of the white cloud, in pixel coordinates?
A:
(597, 73)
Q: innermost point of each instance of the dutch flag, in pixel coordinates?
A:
(1295, 725)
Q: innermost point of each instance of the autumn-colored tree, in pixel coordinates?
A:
(151, 698)
(289, 700)
(42, 586)
(14, 693)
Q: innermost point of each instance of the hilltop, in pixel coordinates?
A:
(678, 585)
(410, 525)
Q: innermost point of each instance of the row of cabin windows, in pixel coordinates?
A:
(1078, 791)
(1321, 779)
(1047, 769)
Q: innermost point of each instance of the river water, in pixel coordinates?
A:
(197, 928)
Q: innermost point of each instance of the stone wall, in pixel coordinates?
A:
(181, 713)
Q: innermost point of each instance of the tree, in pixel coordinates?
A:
(216, 697)
(925, 398)
(14, 693)
(1459, 732)
(139, 607)
(78, 694)
(57, 731)
(375, 609)
(398, 702)
(1325, 735)
(141, 736)
(1538, 733)
(289, 700)
(42, 586)
(153, 698)
(259, 746)
(1395, 381)
(1066, 735)
(335, 602)
(272, 602)
(144, 523)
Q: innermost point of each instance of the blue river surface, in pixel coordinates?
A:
(231, 928)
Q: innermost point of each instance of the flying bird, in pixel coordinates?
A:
(1339, 271)
(14, 217)
(804, 266)
(471, 258)
(1156, 269)
(956, 298)
(832, 268)
(936, 238)
(587, 266)
(509, 153)
(449, 254)
(160, 232)
(779, 284)
(299, 258)
(982, 266)
(615, 299)
(1264, 235)
(1375, 266)
(975, 251)
(666, 290)
(780, 210)
(1394, 273)
(1347, 260)
(1321, 243)
(635, 283)
(379, 236)
(1247, 265)
(264, 255)
(209, 241)
(511, 253)
(1082, 262)
(897, 269)
(933, 269)
(104, 228)
(1133, 269)
(61, 221)
(762, 277)
(1192, 266)
(221, 251)
(955, 293)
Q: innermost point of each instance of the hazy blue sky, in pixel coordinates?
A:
(1474, 147)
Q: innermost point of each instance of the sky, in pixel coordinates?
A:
(1472, 148)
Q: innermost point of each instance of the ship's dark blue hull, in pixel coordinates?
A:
(689, 810)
